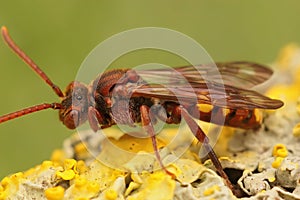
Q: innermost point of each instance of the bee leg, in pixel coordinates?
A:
(147, 125)
(200, 135)
(94, 118)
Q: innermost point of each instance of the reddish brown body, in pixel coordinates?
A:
(94, 103)
(210, 93)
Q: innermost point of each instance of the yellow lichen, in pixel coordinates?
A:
(16, 177)
(3, 195)
(157, 186)
(135, 144)
(11, 183)
(55, 193)
(29, 172)
(80, 182)
(279, 150)
(46, 164)
(66, 175)
(298, 108)
(80, 167)
(296, 130)
(297, 75)
(221, 147)
(5, 182)
(82, 188)
(258, 115)
(286, 55)
(103, 175)
(286, 93)
(80, 148)
(132, 186)
(93, 187)
(271, 179)
(111, 194)
(211, 190)
(189, 170)
(277, 162)
(72, 169)
(69, 164)
(58, 156)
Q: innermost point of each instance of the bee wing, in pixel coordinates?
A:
(238, 74)
(208, 93)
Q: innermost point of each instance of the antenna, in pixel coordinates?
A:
(30, 62)
(35, 68)
(29, 110)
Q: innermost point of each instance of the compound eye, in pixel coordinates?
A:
(78, 97)
(72, 119)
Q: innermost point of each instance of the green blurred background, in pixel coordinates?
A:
(58, 35)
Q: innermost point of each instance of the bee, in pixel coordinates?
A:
(218, 93)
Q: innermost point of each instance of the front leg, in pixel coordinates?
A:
(95, 119)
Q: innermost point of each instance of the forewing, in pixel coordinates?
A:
(208, 93)
(237, 74)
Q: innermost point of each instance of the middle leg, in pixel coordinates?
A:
(148, 126)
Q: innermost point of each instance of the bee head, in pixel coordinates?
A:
(74, 110)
